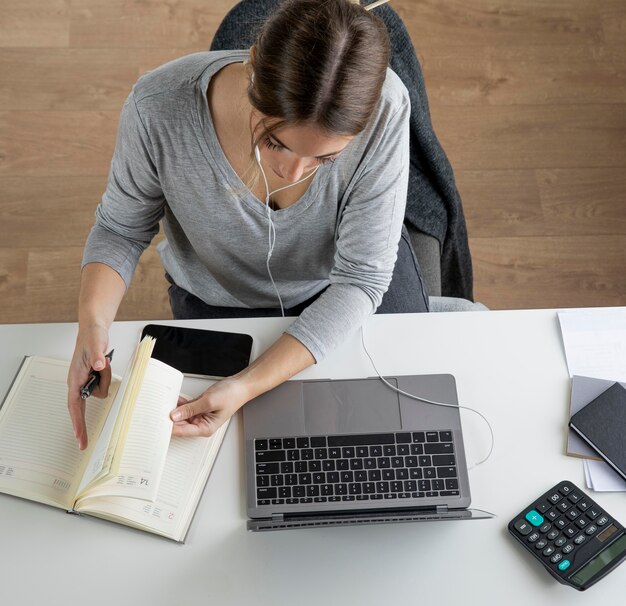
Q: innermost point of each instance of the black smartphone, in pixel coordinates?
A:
(200, 353)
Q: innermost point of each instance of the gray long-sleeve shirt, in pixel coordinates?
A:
(342, 234)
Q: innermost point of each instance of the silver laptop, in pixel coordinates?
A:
(340, 452)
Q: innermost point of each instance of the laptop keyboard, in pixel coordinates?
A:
(367, 467)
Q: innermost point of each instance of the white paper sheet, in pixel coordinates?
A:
(602, 477)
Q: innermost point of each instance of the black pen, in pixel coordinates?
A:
(93, 380)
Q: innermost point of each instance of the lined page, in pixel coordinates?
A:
(39, 455)
(189, 461)
(148, 437)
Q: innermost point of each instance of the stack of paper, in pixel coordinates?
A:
(595, 349)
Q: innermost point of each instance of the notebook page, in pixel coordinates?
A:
(39, 455)
(145, 449)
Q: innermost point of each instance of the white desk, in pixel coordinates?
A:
(509, 365)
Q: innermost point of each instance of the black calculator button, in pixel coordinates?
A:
(602, 520)
(541, 544)
(560, 541)
(592, 513)
(554, 498)
(552, 515)
(565, 490)
(553, 534)
(545, 527)
(571, 531)
(543, 507)
(548, 551)
(579, 539)
(557, 557)
(574, 497)
(568, 548)
(583, 505)
(563, 505)
(533, 537)
(591, 529)
(561, 523)
(581, 523)
(573, 513)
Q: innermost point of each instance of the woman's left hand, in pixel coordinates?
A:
(203, 415)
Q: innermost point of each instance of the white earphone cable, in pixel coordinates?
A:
(420, 399)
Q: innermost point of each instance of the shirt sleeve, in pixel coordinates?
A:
(367, 242)
(128, 216)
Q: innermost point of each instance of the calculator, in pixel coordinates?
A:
(571, 535)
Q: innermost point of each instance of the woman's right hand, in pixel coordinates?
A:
(91, 346)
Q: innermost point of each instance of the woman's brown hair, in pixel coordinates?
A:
(321, 63)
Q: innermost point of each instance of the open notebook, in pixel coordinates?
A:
(133, 472)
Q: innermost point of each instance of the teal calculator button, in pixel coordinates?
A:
(564, 565)
(535, 518)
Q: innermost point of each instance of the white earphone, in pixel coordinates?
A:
(271, 235)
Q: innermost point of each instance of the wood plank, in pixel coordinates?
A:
(525, 75)
(13, 268)
(189, 24)
(35, 23)
(56, 143)
(556, 271)
(48, 211)
(527, 136)
(501, 203)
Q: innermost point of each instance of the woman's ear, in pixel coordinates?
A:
(252, 52)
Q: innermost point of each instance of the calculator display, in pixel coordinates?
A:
(600, 561)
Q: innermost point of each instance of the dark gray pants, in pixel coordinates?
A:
(406, 294)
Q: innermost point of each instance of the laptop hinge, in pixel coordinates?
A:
(442, 509)
(278, 517)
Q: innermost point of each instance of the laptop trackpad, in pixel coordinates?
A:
(360, 405)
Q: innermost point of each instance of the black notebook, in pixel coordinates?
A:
(602, 424)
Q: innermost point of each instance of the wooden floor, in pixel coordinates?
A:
(527, 97)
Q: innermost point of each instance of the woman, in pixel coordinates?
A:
(280, 174)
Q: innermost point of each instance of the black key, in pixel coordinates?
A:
(383, 462)
(262, 480)
(328, 465)
(565, 490)
(574, 497)
(369, 487)
(449, 493)
(360, 476)
(404, 495)
(564, 506)
(410, 486)
(376, 451)
(361, 440)
(554, 498)
(440, 460)
(396, 486)
(570, 531)
(276, 444)
(286, 468)
(580, 539)
(568, 548)
(354, 488)
(591, 529)
(302, 442)
(602, 520)
(278, 501)
(343, 464)
(265, 468)
(284, 492)
(432, 493)
(425, 461)
(403, 449)
(432, 436)
(437, 484)
(430, 472)
(321, 453)
(418, 495)
(306, 454)
(541, 544)
(441, 448)
(347, 452)
(318, 442)
(560, 541)
(374, 475)
(560, 523)
(334, 453)
(573, 513)
(397, 462)
(403, 438)
(382, 487)
(306, 500)
(319, 478)
(418, 436)
(415, 473)
(312, 490)
(369, 463)
(293, 455)
(552, 515)
(417, 449)
(548, 551)
(289, 442)
(300, 467)
(304, 478)
(270, 456)
(347, 476)
(583, 505)
(446, 472)
(266, 493)
(411, 461)
(341, 489)
(298, 491)
(348, 497)
(389, 451)
(320, 499)
(582, 523)
(452, 484)
(327, 490)
(543, 507)
(263, 502)
(545, 527)
(362, 451)
(356, 464)
(260, 445)
(291, 479)
(332, 477)
(592, 513)
(291, 501)
(402, 474)
(315, 466)
(423, 485)
(389, 474)
(557, 557)
(445, 436)
(532, 537)
(553, 534)
(277, 481)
